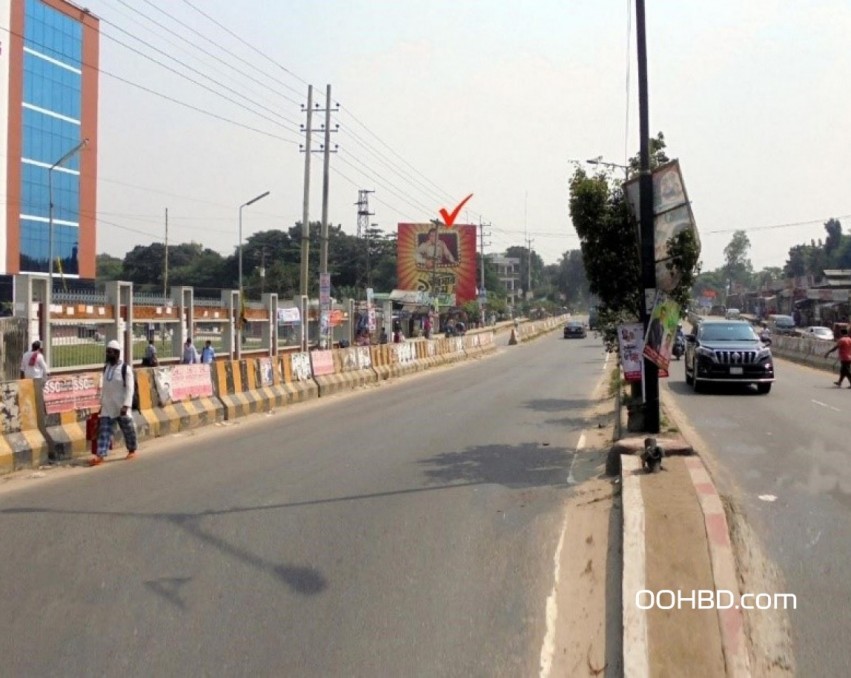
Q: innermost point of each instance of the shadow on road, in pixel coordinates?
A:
(681, 388)
(558, 404)
(519, 466)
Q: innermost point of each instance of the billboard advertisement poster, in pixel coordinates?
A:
(661, 331)
(322, 362)
(67, 393)
(437, 260)
(183, 382)
(671, 215)
(631, 344)
(266, 376)
(300, 364)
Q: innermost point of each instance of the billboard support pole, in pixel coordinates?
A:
(648, 254)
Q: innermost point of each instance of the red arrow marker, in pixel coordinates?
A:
(448, 218)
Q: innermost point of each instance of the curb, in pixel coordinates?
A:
(636, 650)
(723, 561)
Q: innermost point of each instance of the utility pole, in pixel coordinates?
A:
(305, 215)
(529, 242)
(363, 223)
(326, 152)
(648, 255)
(165, 277)
(482, 290)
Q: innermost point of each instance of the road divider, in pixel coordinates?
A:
(22, 444)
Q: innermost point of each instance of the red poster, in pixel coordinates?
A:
(438, 260)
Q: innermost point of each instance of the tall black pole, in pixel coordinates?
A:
(648, 250)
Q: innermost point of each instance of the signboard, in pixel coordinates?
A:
(437, 260)
(631, 343)
(289, 316)
(671, 216)
(661, 331)
(70, 392)
(325, 289)
(322, 362)
(370, 310)
(300, 364)
(183, 382)
(267, 378)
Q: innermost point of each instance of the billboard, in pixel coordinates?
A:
(438, 260)
(671, 215)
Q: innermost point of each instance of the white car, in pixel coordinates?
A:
(817, 332)
(733, 314)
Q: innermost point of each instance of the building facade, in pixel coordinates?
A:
(508, 272)
(49, 91)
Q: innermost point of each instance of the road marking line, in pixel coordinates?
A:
(636, 650)
(830, 407)
(570, 479)
(548, 647)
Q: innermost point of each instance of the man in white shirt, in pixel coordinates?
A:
(33, 364)
(116, 400)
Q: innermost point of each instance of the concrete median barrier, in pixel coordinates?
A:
(176, 398)
(22, 444)
(297, 377)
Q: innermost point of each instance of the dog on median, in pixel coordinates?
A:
(651, 458)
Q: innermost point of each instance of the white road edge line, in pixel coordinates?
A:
(549, 646)
(830, 407)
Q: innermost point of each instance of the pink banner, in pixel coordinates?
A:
(71, 392)
(323, 362)
(191, 381)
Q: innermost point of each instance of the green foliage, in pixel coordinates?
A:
(571, 279)
(108, 267)
(609, 243)
(538, 277)
(737, 265)
(813, 259)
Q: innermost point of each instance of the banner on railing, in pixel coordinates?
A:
(183, 382)
(70, 392)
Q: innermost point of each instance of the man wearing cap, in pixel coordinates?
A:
(33, 365)
(116, 399)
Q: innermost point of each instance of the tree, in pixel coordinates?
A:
(834, 236)
(108, 267)
(522, 253)
(737, 265)
(610, 250)
(571, 280)
(798, 261)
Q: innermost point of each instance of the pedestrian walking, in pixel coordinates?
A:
(33, 364)
(150, 358)
(190, 354)
(843, 345)
(116, 401)
(208, 353)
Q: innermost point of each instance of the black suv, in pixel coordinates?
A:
(728, 351)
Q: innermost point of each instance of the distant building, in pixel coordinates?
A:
(508, 271)
(49, 92)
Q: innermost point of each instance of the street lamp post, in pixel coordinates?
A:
(49, 293)
(599, 161)
(241, 291)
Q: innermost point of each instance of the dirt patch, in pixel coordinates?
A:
(678, 560)
(585, 644)
(589, 633)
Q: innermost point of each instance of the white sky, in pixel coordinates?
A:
(486, 97)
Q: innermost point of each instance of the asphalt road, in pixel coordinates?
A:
(406, 530)
(792, 444)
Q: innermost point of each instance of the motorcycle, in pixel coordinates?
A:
(679, 347)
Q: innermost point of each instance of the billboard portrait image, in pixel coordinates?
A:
(445, 258)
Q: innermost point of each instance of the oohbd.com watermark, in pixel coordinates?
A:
(710, 599)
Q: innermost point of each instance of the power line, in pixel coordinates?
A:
(203, 50)
(774, 226)
(161, 94)
(246, 43)
(192, 80)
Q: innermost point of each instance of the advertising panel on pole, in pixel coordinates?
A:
(70, 392)
(438, 260)
(661, 331)
(370, 309)
(671, 216)
(631, 344)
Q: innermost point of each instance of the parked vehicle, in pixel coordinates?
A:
(818, 332)
(782, 325)
(733, 314)
(575, 330)
(728, 351)
(593, 318)
(679, 347)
